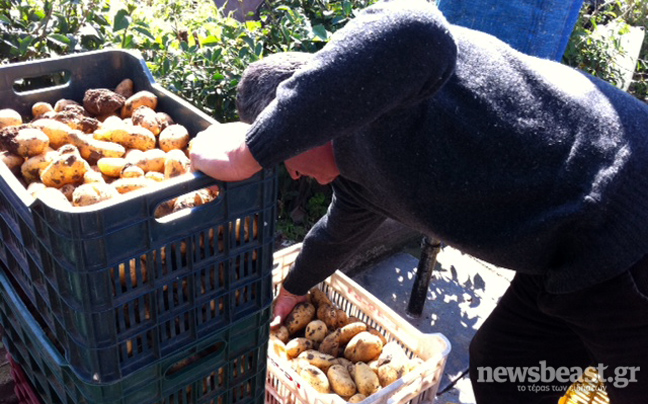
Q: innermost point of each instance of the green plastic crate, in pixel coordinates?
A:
(96, 273)
(227, 367)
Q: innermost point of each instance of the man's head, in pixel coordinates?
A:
(257, 89)
(260, 80)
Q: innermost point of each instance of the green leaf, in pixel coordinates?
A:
(122, 20)
(320, 32)
(62, 40)
(211, 40)
(144, 31)
(25, 43)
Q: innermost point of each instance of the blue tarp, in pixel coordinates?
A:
(537, 27)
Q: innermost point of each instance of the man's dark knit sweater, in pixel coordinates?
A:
(519, 161)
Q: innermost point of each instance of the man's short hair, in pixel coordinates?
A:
(260, 80)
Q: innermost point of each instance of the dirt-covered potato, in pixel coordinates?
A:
(126, 185)
(357, 398)
(92, 149)
(341, 381)
(131, 171)
(174, 137)
(365, 379)
(125, 88)
(62, 103)
(298, 345)
(66, 168)
(134, 137)
(57, 131)
(331, 344)
(363, 347)
(137, 100)
(41, 108)
(151, 160)
(147, 118)
(281, 332)
(165, 120)
(176, 163)
(75, 117)
(102, 101)
(12, 161)
(328, 314)
(155, 176)
(316, 358)
(112, 166)
(278, 347)
(53, 197)
(302, 314)
(34, 187)
(92, 176)
(92, 193)
(23, 140)
(318, 297)
(393, 364)
(316, 330)
(32, 167)
(316, 378)
(9, 117)
(349, 331)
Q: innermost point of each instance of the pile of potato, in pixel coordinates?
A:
(111, 143)
(336, 353)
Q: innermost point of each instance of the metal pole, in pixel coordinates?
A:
(429, 250)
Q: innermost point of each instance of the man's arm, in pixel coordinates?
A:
(332, 241)
(393, 54)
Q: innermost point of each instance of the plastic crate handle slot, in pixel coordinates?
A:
(179, 186)
(41, 83)
(196, 363)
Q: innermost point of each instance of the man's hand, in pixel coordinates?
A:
(283, 305)
(220, 152)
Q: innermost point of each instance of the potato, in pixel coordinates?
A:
(62, 103)
(134, 137)
(23, 140)
(357, 398)
(131, 171)
(112, 166)
(92, 149)
(316, 378)
(147, 118)
(101, 101)
(35, 187)
(277, 347)
(392, 364)
(176, 163)
(174, 137)
(328, 314)
(53, 197)
(155, 176)
(12, 161)
(137, 100)
(318, 297)
(316, 358)
(125, 88)
(281, 332)
(92, 193)
(331, 344)
(377, 334)
(413, 364)
(298, 345)
(68, 191)
(343, 361)
(66, 168)
(363, 347)
(342, 318)
(32, 167)
(316, 330)
(41, 108)
(341, 381)
(302, 314)
(164, 119)
(9, 117)
(365, 379)
(351, 330)
(92, 176)
(125, 185)
(151, 160)
(57, 132)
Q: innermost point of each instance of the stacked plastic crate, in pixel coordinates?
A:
(110, 304)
